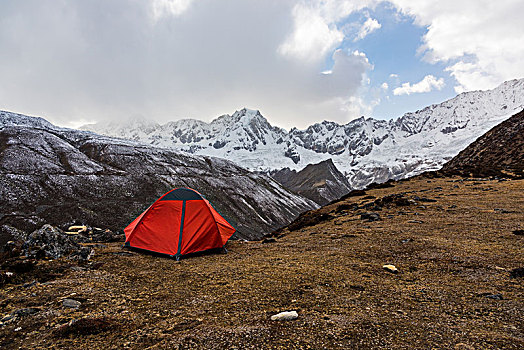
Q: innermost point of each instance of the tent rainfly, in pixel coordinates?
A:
(180, 222)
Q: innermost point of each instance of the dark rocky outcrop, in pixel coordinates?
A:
(63, 176)
(499, 152)
(321, 182)
(51, 242)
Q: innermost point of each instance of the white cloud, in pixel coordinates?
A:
(315, 32)
(425, 85)
(96, 60)
(312, 38)
(384, 86)
(369, 26)
(481, 40)
(175, 8)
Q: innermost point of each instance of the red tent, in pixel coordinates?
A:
(180, 222)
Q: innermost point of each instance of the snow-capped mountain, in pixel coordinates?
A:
(365, 150)
(59, 176)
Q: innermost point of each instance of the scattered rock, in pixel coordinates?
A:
(518, 272)
(407, 240)
(85, 326)
(269, 240)
(12, 249)
(7, 318)
(19, 313)
(344, 207)
(390, 268)
(82, 254)
(104, 236)
(78, 268)
(415, 221)
(71, 303)
(502, 211)
(518, 232)
(30, 284)
(370, 217)
(285, 316)
(124, 253)
(51, 242)
(309, 218)
(26, 311)
(423, 199)
(357, 287)
(494, 296)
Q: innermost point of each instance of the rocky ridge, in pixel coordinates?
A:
(499, 152)
(62, 176)
(320, 182)
(365, 150)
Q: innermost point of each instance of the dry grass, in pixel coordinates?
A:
(453, 254)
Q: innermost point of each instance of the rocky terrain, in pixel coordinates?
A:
(320, 182)
(63, 176)
(364, 150)
(499, 152)
(456, 281)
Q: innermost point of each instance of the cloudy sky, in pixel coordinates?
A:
(297, 61)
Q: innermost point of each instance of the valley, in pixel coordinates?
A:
(454, 241)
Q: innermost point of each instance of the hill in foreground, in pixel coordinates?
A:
(62, 176)
(499, 152)
(457, 244)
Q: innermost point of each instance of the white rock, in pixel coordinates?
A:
(285, 316)
(390, 268)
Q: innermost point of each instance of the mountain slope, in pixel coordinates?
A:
(365, 150)
(56, 175)
(320, 182)
(499, 152)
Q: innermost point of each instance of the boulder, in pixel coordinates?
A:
(285, 316)
(51, 242)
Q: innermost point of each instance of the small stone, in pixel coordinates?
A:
(518, 232)
(518, 272)
(71, 303)
(370, 217)
(30, 284)
(415, 221)
(124, 253)
(269, 240)
(285, 316)
(390, 268)
(78, 268)
(495, 296)
(7, 317)
(25, 311)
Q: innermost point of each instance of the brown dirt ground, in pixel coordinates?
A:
(459, 251)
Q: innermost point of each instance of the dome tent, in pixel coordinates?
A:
(180, 222)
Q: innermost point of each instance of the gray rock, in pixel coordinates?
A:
(51, 242)
(71, 303)
(370, 217)
(495, 296)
